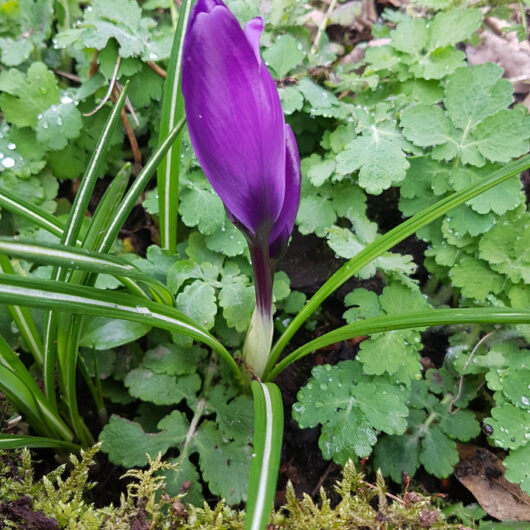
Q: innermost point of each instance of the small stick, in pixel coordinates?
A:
(322, 479)
(129, 106)
(110, 89)
(389, 495)
(72, 77)
(93, 64)
(137, 155)
(461, 381)
(322, 26)
(157, 69)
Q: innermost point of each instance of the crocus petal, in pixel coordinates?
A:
(203, 6)
(234, 116)
(253, 30)
(293, 180)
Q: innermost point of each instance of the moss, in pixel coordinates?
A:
(57, 502)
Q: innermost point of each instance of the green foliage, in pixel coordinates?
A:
(410, 119)
(115, 20)
(351, 409)
(505, 370)
(394, 352)
(476, 127)
(168, 374)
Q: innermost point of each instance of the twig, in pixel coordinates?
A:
(161, 72)
(322, 479)
(137, 155)
(461, 381)
(129, 106)
(110, 89)
(72, 77)
(389, 495)
(93, 64)
(322, 26)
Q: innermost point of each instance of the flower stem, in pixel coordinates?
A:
(257, 347)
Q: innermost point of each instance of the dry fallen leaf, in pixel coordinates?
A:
(482, 473)
(505, 50)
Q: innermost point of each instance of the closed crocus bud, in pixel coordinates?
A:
(246, 150)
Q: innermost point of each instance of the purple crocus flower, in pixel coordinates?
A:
(246, 150)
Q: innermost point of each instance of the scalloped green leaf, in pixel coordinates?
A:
(161, 389)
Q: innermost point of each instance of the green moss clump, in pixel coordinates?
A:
(57, 502)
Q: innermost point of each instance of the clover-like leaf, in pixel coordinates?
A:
(316, 169)
(378, 155)
(396, 455)
(285, 53)
(161, 389)
(517, 465)
(201, 207)
(24, 97)
(393, 352)
(220, 460)
(315, 214)
(453, 26)
(476, 279)
(460, 426)
(59, 124)
(503, 136)
(237, 300)
(171, 359)
(128, 445)
(291, 98)
(184, 480)
(506, 247)
(438, 453)
(511, 426)
(350, 410)
(476, 92)
(198, 302)
(516, 387)
(426, 125)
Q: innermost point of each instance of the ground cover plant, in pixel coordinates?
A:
(152, 326)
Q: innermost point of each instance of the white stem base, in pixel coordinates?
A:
(257, 347)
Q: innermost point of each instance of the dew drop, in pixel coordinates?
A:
(59, 121)
(66, 99)
(8, 162)
(11, 146)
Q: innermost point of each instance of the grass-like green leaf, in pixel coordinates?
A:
(77, 258)
(137, 188)
(68, 358)
(172, 112)
(90, 301)
(390, 239)
(268, 434)
(23, 319)
(16, 441)
(20, 386)
(438, 317)
(41, 218)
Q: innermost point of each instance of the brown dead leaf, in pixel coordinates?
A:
(505, 50)
(482, 473)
